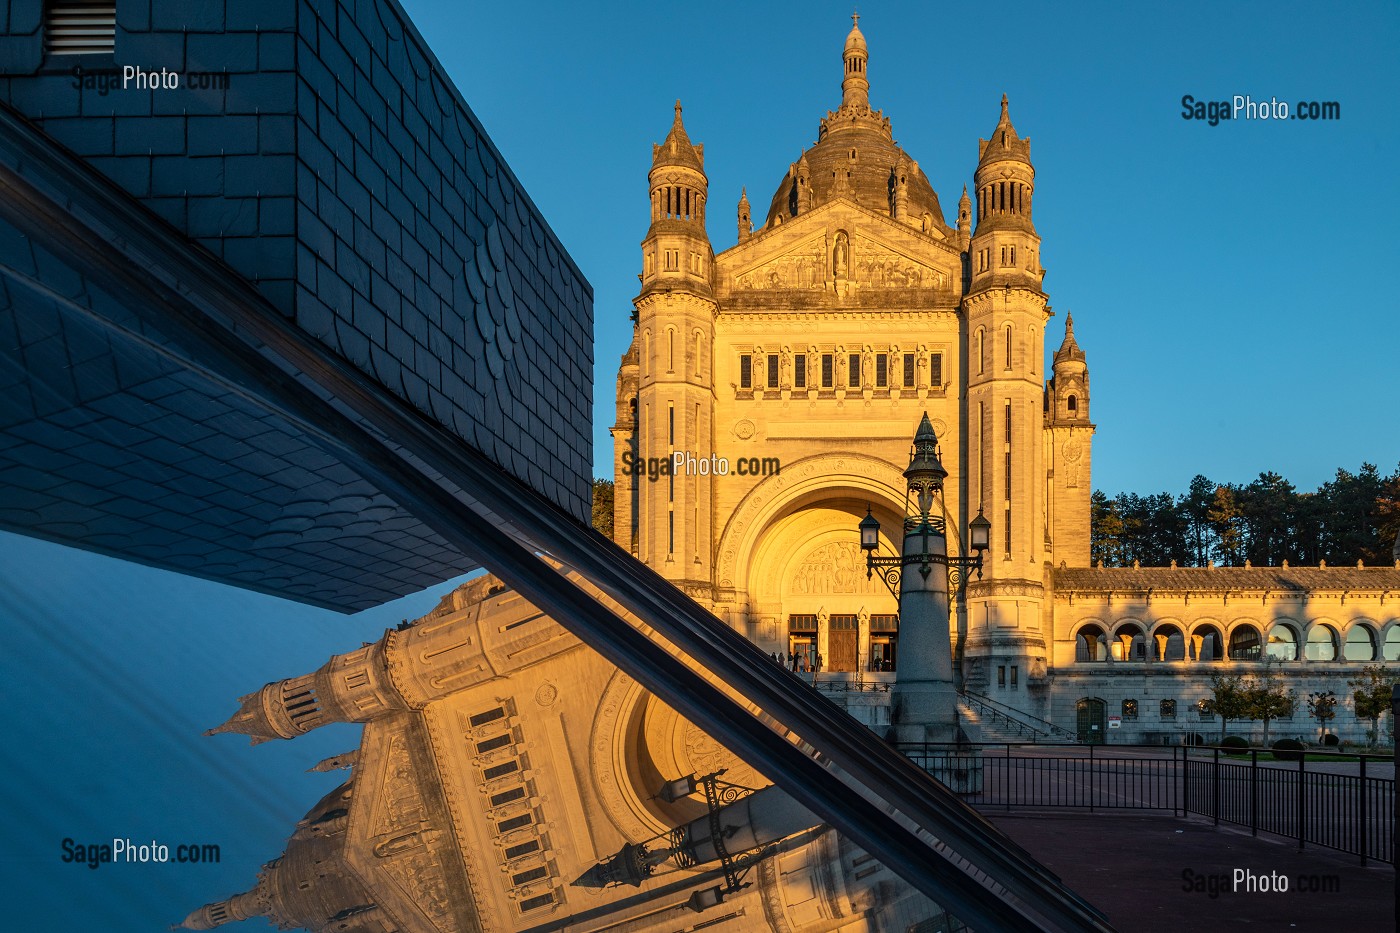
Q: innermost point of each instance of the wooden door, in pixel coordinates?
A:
(843, 645)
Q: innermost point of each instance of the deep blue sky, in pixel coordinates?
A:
(1228, 283)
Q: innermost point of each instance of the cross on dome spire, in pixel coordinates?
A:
(855, 86)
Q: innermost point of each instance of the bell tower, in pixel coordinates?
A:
(675, 321)
(1006, 311)
(1069, 438)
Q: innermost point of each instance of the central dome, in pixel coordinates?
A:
(856, 157)
(867, 159)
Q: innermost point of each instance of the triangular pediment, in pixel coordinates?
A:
(838, 244)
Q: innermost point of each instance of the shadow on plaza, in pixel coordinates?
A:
(1133, 867)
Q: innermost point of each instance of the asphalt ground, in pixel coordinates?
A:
(1156, 872)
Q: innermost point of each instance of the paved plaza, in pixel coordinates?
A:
(1133, 867)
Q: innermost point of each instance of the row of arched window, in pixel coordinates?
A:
(1168, 641)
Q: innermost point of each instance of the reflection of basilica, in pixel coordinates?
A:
(506, 775)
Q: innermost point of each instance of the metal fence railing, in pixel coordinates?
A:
(1350, 809)
(1353, 813)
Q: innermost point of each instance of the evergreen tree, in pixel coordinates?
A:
(1352, 517)
(603, 506)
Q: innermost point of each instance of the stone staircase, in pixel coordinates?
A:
(997, 722)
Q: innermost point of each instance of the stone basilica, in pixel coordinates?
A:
(510, 778)
(803, 357)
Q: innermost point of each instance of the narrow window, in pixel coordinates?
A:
(671, 530)
(908, 370)
(670, 350)
(1073, 404)
(524, 848)
(671, 425)
(506, 796)
(1008, 346)
(827, 370)
(746, 371)
(882, 370)
(1015, 676)
(1001, 675)
(491, 744)
(491, 715)
(772, 370)
(799, 371)
(531, 874)
(515, 822)
(501, 770)
(935, 370)
(536, 902)
(853, 375)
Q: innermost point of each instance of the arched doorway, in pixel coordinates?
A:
(1090, 720)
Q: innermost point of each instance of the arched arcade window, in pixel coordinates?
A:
(1168, 644)
(1322, 643)
(1205, 644)
(1360, 644)
(1391, 651)
(1129, 643)
(1089, 645)
(1245, 644)
(1282, 644)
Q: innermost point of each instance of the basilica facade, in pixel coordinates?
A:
(768, 397)
(808, 352)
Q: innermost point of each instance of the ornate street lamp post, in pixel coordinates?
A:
(925, 696)
(925, 475)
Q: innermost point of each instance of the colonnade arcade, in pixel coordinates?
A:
(1283, 640)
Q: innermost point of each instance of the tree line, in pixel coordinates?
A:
(1355, 516)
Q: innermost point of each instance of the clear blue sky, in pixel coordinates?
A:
(1228, 284)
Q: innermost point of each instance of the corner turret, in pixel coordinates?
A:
(676, 252)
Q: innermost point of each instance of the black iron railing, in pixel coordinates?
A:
(1349, 812)
(1352, 813)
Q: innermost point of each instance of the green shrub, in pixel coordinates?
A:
(1235, 741)
(1331, 740)
(1288, 750)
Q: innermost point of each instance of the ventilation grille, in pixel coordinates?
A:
(80, 28)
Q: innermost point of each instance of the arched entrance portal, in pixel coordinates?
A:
(790, 568)
(810, 578)
(1090, 719)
